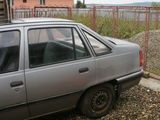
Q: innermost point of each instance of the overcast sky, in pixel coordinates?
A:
(116, 1)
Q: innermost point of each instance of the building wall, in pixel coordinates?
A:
(32, 3)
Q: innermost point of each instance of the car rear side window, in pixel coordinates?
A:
(99, 47)
(54, 45)
(9, 51)
(80, 48)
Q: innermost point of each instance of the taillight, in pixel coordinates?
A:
(141, 58)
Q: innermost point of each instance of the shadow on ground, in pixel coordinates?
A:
(137, 103)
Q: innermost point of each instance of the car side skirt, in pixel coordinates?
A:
(54, 105)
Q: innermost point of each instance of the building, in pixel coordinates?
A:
(19, 4)
(4, 11)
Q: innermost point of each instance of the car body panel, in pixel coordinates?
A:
(56, 87)
(108, 66)
(56, 80)
(13, 96)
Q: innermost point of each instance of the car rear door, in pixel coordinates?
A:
(12, 82)
(104, 57)
(59, 67)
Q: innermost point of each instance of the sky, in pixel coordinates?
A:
(116, 1)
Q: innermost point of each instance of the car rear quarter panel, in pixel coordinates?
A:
(123, 60)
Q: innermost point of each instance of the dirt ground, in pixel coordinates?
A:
(138, 103)
(153, 56)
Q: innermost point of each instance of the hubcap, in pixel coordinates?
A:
(99, 100)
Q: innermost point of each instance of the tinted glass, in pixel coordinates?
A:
(81, 50)
(98, 46)
(51, 45)
(9, 51)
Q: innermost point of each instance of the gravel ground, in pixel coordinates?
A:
(138, 103)
(153, 57)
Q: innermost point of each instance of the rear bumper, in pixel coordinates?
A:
(129, 81)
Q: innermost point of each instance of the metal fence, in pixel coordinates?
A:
(134, 23)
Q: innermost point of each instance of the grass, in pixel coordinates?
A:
(104, 25)
(156, 72)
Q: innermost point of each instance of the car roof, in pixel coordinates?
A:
(38, 20)
(34, 21)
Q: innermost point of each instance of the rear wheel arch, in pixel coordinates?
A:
(108, 85)
(112, 82)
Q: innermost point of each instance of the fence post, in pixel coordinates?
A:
(146, 36)
(115, 21)
(69, 13)
(157, 19)
(12, 13)
(33, 12)
(94, 19)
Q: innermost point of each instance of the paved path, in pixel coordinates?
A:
(151, 83)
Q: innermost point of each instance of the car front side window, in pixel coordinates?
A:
(9, 51)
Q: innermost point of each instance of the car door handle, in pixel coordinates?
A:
(16, 83)
(82, 70)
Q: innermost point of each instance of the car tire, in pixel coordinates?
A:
(97, 101)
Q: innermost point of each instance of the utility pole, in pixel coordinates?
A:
(83, 2)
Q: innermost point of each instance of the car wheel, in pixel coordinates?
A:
(97, 101)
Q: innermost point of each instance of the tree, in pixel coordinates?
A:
(156, 4)
(80, 4)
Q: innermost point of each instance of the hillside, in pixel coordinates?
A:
(131, 4)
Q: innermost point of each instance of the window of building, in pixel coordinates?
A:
(42, 2)
(24, 1)
(54, 45)
(9, 51)
(11, 2)
(99, 47)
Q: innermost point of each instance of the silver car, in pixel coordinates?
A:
(52, 65)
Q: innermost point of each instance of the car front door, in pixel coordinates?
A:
(58, 69)
(12, 82)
